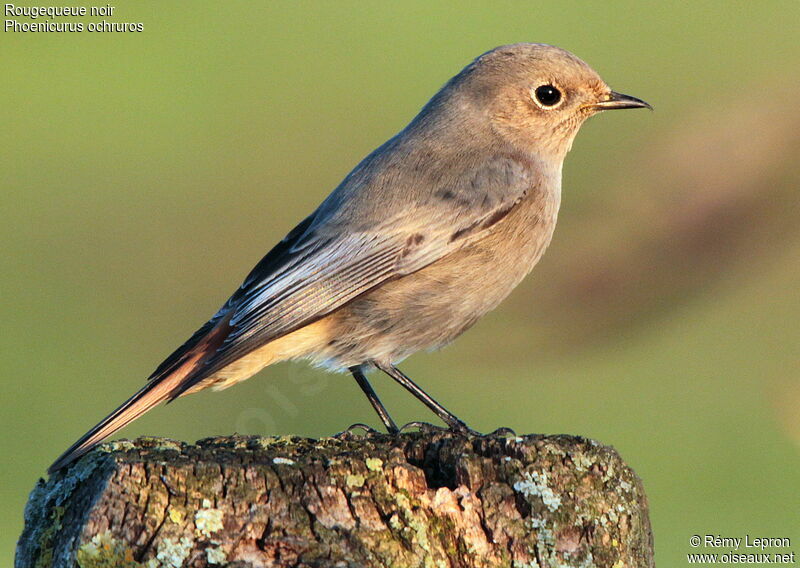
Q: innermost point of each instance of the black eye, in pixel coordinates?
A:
(548, 95)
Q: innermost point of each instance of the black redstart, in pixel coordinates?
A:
(428, 233)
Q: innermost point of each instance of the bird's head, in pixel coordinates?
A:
(536, 96)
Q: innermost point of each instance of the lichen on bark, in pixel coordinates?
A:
(419, 499)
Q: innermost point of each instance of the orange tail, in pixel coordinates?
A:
(149, 396)
(163, 385)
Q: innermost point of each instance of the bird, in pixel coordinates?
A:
(428, 233)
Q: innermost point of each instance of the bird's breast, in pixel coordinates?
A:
(431, 307)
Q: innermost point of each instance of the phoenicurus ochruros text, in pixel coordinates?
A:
(428, 233)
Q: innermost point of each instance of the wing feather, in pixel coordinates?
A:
(319, 267)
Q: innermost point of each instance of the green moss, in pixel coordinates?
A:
(355, 480)
(104, 551)
(116, 446)
(535, 484)
(582, 461)
(215, 555)
(47, 507)
(172, 553)
(176, 515)
(440, 528)
(48, 536)
(531, 564)
(207, 520)
(158, 443)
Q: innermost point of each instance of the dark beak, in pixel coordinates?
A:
(618, 100)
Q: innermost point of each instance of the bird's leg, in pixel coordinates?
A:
(362, 381)
(452, 421)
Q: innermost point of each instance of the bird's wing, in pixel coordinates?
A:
(318, 267)
(348, 246)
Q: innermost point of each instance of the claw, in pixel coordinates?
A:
(503, 432)
(350, 432)
(463, 430)
(467, 431)
(423, 427)
(459, 428)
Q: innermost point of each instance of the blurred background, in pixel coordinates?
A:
(144, 174)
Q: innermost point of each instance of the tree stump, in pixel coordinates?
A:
(418, 499)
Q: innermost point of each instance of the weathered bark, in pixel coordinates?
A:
(420, 499)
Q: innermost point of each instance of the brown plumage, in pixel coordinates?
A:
(428, 233)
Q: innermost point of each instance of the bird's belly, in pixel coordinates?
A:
(431, 307)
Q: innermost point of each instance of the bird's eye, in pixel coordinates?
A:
(547, 96)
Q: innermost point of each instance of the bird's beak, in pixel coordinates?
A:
(618, 100)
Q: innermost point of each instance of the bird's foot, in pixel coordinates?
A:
(502, 432)
(351, 432)
(463, 430)
(456, 428)
(424, 427)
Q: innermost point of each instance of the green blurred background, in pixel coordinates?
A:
(143, 175)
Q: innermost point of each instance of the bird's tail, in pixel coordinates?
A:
(164, 384)
(146, 398)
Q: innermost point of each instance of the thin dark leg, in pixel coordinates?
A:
(362, 381)
(452, 421)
